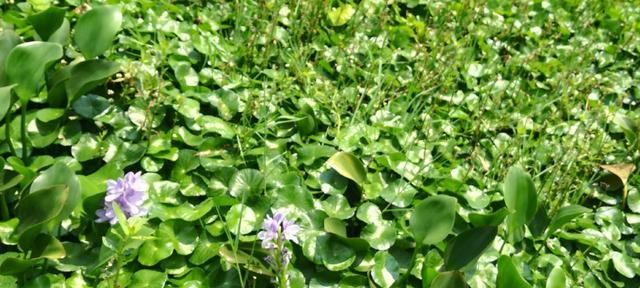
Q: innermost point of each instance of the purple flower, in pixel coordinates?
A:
(277, 229)
(129, 192)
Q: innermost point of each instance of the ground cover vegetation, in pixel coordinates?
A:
(370, 143)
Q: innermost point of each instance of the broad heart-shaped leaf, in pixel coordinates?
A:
(5, 100)
(147, 279)
(565, 215)
(348, 166)
(8, 40)
(86, 75)
(60, 174)
(520, 198)
(26, 64)
(432, 220)
(449, 279)
(557, 278)
(386, 269)
(467, 246)
(508, 276)
(96, 29)
(41, 206)
(47, 21)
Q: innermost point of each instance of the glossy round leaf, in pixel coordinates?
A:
(241, 218)
(148, 279)
(26, 63)
(432, 220)
(386, 270)
(246, 182)
(96, 29)
(348, 166)
(381, 235)
(87, 75)
(41, 206)
(89, 106)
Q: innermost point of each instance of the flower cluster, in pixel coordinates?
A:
(278, 230)
(129, 192)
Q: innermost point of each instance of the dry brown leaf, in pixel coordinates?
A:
(623, 171)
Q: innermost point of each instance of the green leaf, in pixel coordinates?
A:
(15, 265)
(468, 246)
(87, 75)
(369, 213)
(386, 270)
(47, 21)
(96, 29)
(206, 249)
(337, 206)
(40, 4)
(449, 279)
(348, 166)
(186, 211)
(520, 195)
(8, 40)
(47, 246)
(7, 228)
(154, 251)
(341, 15)
(5, 100)
(41, 206)
(432, 220)
(399, 193)
(86, 148)
(557, 278)
(89, 106)
(246, 182)
(49, 114)
(335, 226)
(508, 276)
(309, 153)
(26, 64)
(241, 218)
(145, 278)
(565, 215)
(521, 200)
(335, 254)
(624, 264)
(494, 219)
(60, 174)
(381, 235)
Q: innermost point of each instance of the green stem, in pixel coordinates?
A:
(23, 130)
(7, 130)
(4, 208)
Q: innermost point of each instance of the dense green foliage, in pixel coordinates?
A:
(416, 143)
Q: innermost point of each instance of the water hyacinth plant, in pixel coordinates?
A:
(417, 143)
(277, 230)
(129, 192)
